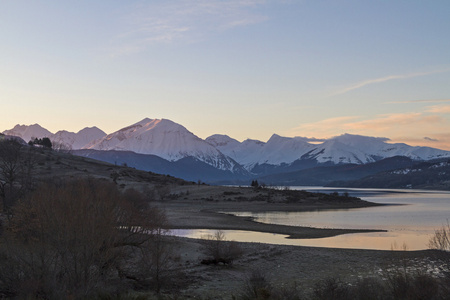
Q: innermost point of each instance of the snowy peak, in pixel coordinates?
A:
(63, 138)
(333, 150)
(343, 149)
(250, 152)
(362, 142)
(28, 132)
(165, 139)
(77, 140)
(221, 140)
(357, 149)
(94, 132)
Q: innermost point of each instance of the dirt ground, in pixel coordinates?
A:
(286, 266)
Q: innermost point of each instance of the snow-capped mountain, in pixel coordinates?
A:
(276, 151)
(77, 140)
(165, 139)
(70, 140)
(28, 132)
(342, 149)
(357, 149)
(173, 142)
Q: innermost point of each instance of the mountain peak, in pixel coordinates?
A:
(348, 138)
(275, 138)
(27, 132)
(163, 138)
(143, 122)
(220, 140)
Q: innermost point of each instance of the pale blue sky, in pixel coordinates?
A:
(246, 68)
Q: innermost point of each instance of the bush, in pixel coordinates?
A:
(70, 238)
(369, 289)
(441, 238)
(220, 250)
(331, 289)
(256, 286)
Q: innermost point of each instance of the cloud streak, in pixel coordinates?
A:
(420, 101)
(439, 109)
(389, 121)
(185, 21)
(384, 79)
(428, 128)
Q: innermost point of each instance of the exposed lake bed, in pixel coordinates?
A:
(403, 219)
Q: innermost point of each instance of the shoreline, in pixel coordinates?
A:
(217, 216)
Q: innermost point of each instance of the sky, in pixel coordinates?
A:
(247, 69)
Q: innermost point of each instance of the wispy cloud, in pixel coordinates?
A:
(417, 128)
(439, 109)
(388, 121)
(420, 101)
(380, 124)
(430, 139)
(323, 128)
(384, 79)
(185, 21)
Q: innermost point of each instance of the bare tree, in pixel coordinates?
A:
(61, 147)
(16, 164)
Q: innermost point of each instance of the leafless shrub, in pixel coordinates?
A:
(156, 261)
(220, 250)
(369, 288)
(70, 238)
(163, 191)
(61, 147)
(441, 238)
(418, 286)
(289, 292)
(331, 289)
(256, 286)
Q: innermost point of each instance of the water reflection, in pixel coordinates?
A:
(411, 224)
(377, 241)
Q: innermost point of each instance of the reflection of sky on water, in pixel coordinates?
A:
(378, 240)
(412, 224)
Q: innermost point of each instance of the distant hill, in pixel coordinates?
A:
(420, 175)
(188, 168)
(324, 175)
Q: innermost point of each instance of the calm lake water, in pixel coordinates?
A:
(409, 225)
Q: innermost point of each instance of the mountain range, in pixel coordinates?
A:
(69, 140)
(163, 146)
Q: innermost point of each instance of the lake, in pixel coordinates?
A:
(409, 224)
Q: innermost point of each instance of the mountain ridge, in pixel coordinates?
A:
(250, 158)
